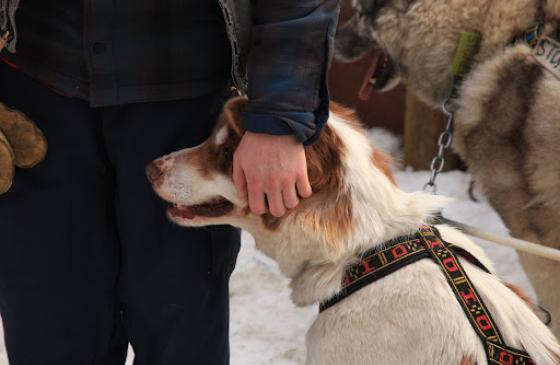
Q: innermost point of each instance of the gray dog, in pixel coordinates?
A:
(507, 107)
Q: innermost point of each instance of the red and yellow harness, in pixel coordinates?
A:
(427, 243)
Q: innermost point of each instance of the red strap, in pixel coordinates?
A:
(471, 301)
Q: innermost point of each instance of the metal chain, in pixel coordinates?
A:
(445, 141)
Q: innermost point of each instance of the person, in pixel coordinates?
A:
(88, 260)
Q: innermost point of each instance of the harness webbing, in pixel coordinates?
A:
(473, 306)
(427, 243)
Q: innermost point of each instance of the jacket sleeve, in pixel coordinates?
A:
(291, 50)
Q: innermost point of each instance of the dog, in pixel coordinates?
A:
(410, 316)
(507, 107)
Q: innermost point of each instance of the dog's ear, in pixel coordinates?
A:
(352, 43)
(233, 113)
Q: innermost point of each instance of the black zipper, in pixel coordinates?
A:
(8, 28)
(236, 88)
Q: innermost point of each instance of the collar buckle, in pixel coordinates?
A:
(532, 34)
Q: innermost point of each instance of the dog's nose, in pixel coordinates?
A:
(153, 172)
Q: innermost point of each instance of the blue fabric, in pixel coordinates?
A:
(296, 123)
(287, 67)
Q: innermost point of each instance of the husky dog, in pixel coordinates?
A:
(411, 316)
(507, 125)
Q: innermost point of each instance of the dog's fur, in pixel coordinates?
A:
(508, 117)
(409, 317)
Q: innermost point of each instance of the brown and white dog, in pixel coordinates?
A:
(507, 121)
(409, 317)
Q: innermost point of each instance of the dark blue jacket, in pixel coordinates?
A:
(281, 53)
(127, 51)
(287, 67)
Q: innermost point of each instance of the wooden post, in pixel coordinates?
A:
(422, 128)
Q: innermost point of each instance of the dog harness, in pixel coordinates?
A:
(427, 243)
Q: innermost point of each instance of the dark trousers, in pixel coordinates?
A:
(88, 260)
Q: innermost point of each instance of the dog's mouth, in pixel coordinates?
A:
(217, 207)
(384, 75)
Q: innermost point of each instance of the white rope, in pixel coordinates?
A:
(520, 245)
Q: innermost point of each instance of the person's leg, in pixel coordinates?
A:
(58, 248)
(174, 281)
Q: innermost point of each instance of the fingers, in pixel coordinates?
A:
(276, 202)
(249, 187)
(303, 186)
(257, 202)
(290, 196)
(239, 179)
(274, 198)
(279, 200)
(271, 171)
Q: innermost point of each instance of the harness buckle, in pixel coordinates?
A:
(533, 34)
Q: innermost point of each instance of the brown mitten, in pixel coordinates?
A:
(6, 164)
(21, 144)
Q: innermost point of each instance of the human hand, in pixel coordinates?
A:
(272, 172)
(21, 144)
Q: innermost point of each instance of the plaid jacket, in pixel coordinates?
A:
(281, 54)
(281, 60)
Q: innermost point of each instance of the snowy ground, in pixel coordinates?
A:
(266, 328)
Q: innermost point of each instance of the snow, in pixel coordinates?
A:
(266, 328)
(386, 141)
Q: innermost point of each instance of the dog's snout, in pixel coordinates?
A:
(153, 171)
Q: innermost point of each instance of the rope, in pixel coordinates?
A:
(517, 244)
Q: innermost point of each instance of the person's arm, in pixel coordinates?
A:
(288, 100)
(287, 67)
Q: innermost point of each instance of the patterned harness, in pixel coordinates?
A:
(427, 243)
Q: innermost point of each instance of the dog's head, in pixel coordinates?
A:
(197, 181)
(418, 38)
(198, 184)
(358, 37)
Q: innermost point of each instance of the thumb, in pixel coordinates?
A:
(303, 186)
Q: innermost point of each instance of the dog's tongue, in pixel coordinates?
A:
(376, 66)
(182, 212)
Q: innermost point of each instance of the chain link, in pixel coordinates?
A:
(445, 141)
